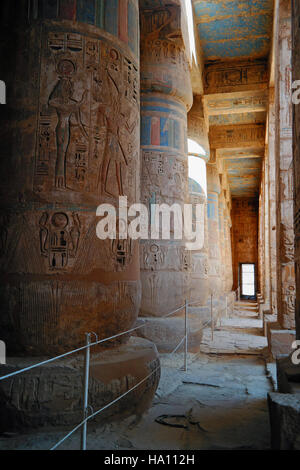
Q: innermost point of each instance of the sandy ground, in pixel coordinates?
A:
(219, 403)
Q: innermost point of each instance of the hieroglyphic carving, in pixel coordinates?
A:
(222, 78)
(121, 251)
(59, 239)
(162, 173)
(253, 103)
(88, 121)
(154, 256)
(239, 136)
(161, 23)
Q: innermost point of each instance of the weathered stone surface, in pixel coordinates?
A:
(168, 333)
(296, 158)
(285, 421)
(288, 375)
(166, 98)
(281, 341)
(71, 133)
(53, 394)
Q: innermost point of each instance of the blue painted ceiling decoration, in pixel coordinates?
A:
(233, 29)
(244, 175)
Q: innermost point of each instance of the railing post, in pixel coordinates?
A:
(186, 335)
(86, 390)
(211, 317)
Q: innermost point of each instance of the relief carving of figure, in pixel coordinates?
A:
(61, 99)
(111, 118)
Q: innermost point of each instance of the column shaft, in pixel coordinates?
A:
(71, 143)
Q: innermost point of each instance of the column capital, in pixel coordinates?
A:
(165, 67)
(198, 126)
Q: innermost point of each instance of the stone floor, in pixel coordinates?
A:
(220, 403)
(240, 334)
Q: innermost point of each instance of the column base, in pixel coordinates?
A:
(52, 395)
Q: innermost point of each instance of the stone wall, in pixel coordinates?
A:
(245, 234)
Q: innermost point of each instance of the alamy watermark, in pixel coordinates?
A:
(296, 354)
(2, 353)
(155, 222)
(2, 92)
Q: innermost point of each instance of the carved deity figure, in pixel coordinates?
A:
(61, 99)
(111, 117)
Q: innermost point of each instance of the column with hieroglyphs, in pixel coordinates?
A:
(166, 96)
(70, 141)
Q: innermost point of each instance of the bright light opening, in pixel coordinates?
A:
(248, 280)
(197, 171)
(195, 148)
(190, 20)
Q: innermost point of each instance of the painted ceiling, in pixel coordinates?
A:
(244, 175)
(233, 32)
(233, 29)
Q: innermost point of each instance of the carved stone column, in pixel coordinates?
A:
(166, 97)
(228, 251)
(70, 141)
(198, 134)
(198, 287)
(286, 291)
(213, 192)
(273, 198)
(267, 286)
(222, 240)
(281, 332)
(296, 159)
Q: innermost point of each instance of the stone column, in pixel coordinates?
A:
(273, 198)
(199, 280)
(222, 239)
(70, 141)
(166, 98)
(286, 291)
(213, 192)
(228, 253)
(281, 334)
(296, 154)
(267, 290)
(261, 242)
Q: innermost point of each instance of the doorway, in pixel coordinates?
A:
(248, 281)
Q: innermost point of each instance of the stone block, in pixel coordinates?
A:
(288, 376)
(280, 341)
(284, 412)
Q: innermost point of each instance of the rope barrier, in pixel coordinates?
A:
(89, 345)
(103, 409)
(48, 361)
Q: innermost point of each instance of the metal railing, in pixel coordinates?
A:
(87, 348)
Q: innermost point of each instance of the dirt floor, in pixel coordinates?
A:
(219, 403)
